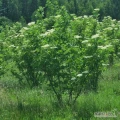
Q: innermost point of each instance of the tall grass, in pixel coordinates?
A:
(23, 103)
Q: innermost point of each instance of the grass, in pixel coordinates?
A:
(18, 103)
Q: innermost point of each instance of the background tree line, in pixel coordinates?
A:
(18, 9)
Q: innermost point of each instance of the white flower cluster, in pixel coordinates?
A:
(48, 32)
(25, 28)
(88, 57)
(79, 75)
(89, 45)
(85, 41)
(12, 46)
(57, 16)
(73, 78)
(31, 23)
(85, 16)
(113, 25)
(114, 20)
(97, 9)
(105, 64)
(118, 53)
(21, 35)
(16, 36)
(53, 47)
(85, 72)
(95, 36)
(104, 47)
(108, 28)
(47, 46)
(77, 36)
(75, 18)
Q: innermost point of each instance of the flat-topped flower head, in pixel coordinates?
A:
(57, 16)
(105, 47)
(119, 22)
(31, 23)
(105, 64)
(21, 35)
(85, 41)
(79, 75)
(88, 56)
(89, 45)
(45, 46)
(85, 72)
(48, 32)
(12, 46)
(76, 18)
(97, 9)
(73, 78)
(118, 53)
(109, 28)
(25, 28)
(85, 16)
(77, 36)
(53, 47)
(114, 20)
(95, 36)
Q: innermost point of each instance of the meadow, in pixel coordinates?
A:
(64, 67)
(22, 103)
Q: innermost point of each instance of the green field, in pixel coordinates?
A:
(61, 67)
(22, 103)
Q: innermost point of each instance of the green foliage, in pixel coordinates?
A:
(1, 59)
(6, 34)
(51, 8)
(4, 21)
(38, 14)
(3, 46)
(66, 52)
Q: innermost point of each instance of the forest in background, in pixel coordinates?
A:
(17, 10)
